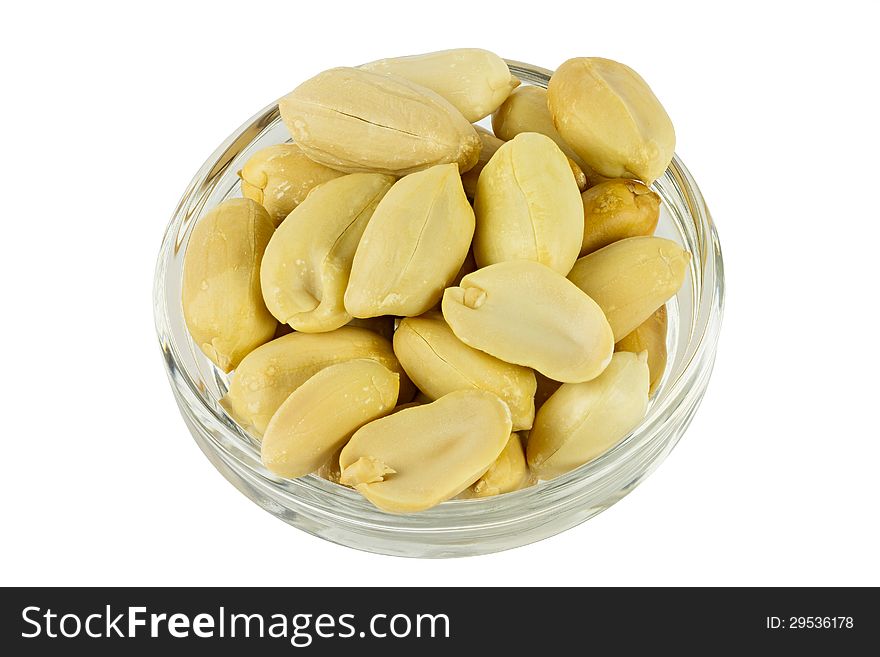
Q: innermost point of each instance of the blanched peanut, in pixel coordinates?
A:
(439, 363)
(525, 313)
(610, 117)
(280, 177)
(527, 206)
(307, 264)
(419, 457)
(615, 210)
(475, 81)
(353, 120)
(649, 336)
(580, 421)
(269, 374)
(631, 278)
(414, 245)
(222, 304)
(508, 473)
(321, 414)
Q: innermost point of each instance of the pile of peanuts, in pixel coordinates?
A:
(419, 308)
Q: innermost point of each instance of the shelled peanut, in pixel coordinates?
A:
(423, 330)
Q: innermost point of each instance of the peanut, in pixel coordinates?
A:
(564, 336)
(222, 304)
(353, 120)
(317, 419)
(421, 456)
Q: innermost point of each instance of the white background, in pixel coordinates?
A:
(109, 109)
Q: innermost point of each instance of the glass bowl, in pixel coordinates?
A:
(458, 527)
